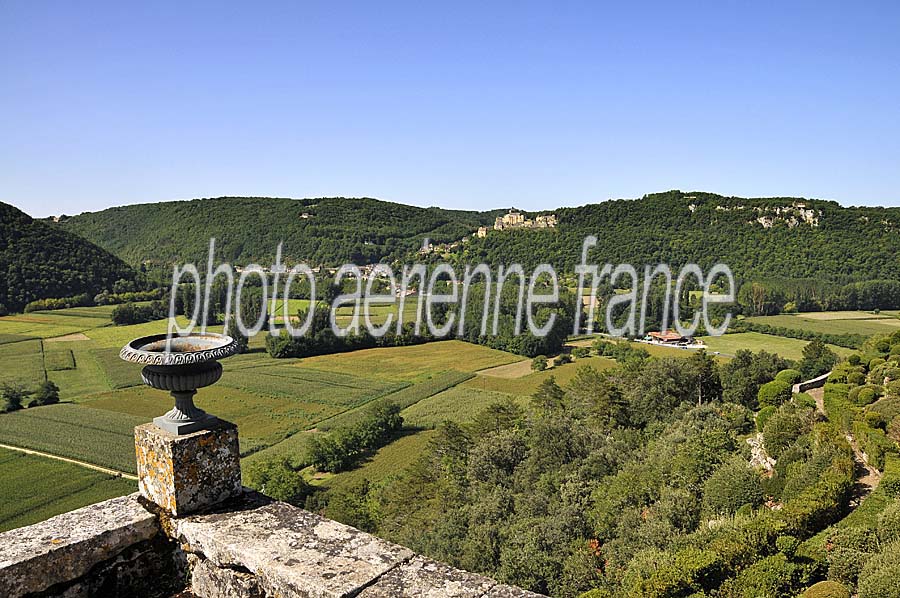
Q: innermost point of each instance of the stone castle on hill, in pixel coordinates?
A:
(516, 219)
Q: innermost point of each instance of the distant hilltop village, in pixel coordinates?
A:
(516, 219)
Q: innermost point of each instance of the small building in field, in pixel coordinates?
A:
(669, 337)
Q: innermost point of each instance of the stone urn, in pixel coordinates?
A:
(181, 365)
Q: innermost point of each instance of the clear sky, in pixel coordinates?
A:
(464, 105)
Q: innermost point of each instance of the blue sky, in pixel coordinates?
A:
(463, 105)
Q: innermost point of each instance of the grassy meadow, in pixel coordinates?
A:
(791, 348)
(835, 322)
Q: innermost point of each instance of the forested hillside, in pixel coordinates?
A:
(328, 231)
(759, 238)
(39, 261)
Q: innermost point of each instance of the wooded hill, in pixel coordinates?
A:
(760, 239)
(329, 231)
(39, 261)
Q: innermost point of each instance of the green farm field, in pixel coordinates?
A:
(789, 348)
(528, 384)
(460, 404)
(275, 404)
(293, 448)
(35, 488)
(95, 436)
(413, 362)
(834, 322)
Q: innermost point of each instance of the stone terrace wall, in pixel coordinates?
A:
(250, 547)
(112, 548)
(818, 382)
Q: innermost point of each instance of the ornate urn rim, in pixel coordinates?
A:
(191, 349)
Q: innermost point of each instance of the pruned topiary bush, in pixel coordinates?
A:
(774, 394)
(827, 589)
(789, 376)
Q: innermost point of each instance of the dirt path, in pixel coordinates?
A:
(819, 395)
(867, 477)
(67, 460)
(67, 338)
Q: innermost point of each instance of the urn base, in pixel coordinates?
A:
(181, 427)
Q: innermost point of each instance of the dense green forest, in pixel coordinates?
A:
(327, 231)
(820, 240)
(40, 261)
(775, 240)
(642, 481)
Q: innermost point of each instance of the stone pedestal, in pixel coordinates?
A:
(188, 473)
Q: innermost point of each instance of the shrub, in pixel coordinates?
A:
(782, 429)
(827, 589)
(132, 313)
(866, 396)
(875, 362)
(278, 480)
(733, 485)
(874, 443)
(802, 399)
(854, 359)
(539, 363)
(787, 545)
(563, 359)
(581, 352)
(763, 416)
(889, 523)
(771, 576)
(774, 393)
(873, 419)
(12, 396)
(838, 406)
(47, 393)
(822, 503)
(879, 577)
(891, 483)
(789, 376)
(856, 378)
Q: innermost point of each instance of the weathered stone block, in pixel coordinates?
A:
(64, 548)
(185, 474)
(425, 578)
(294, 553)
(209, 581)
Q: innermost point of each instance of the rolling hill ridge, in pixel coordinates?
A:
(328, 231)
(40, 261)
(760, 238)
